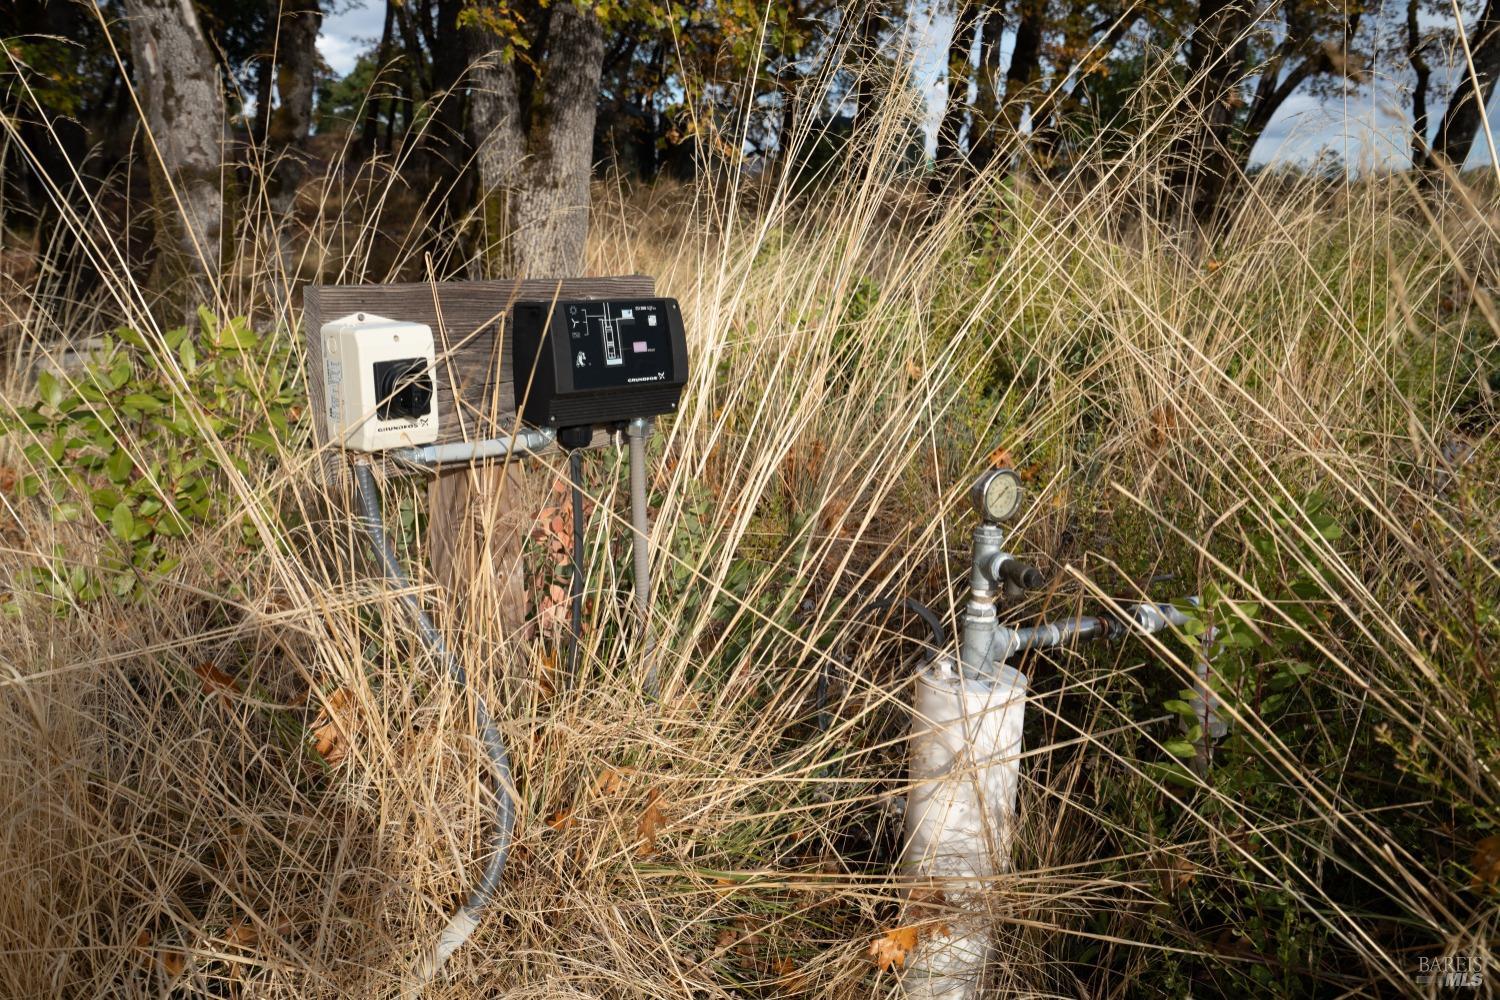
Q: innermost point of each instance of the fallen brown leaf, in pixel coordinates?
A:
(651, 821)
(331, 729)
(611, 780)
(560, 819)
(217, 681)
(892, 947)
(1487, 861)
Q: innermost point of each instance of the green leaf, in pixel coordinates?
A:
(131, 337)
(118, 466)
(66, 511)
(141, 402)
(1179, 748)
(235, 335)
(120, 373)
(50, 389)
(1181, 708)
(122, 521)
(262, 440)
(1326, 526)
(187, 353)
(1171, 772)
(105, 499)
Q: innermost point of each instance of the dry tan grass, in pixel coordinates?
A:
(859, 350)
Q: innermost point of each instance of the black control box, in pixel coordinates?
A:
(583, 363)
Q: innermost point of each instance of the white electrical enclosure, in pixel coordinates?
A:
(379, 382)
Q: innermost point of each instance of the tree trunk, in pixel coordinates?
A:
(534, 140)
(1025, 66)
(291, 123)
(370, 131)
(960, 66)
(535, 149)
(1422, 71)
(1461, 122)
(296, 71)
(265, 78)
(1204, 154)
(178, 86)
(867, 59)
(984, 123)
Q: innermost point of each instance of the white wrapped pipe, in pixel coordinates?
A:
(960, 817)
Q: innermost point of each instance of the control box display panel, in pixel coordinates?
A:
(581, 363)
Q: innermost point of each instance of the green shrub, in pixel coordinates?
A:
(145, 451)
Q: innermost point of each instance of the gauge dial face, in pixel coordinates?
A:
(998, 495)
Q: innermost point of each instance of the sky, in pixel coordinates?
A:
(1367, 128)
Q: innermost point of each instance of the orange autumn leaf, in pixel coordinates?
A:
(173, 962)
(560, 819)
(1212, 265)
(546, 671)
(891, 948)
(7, 479)
(1001, 458)
(331, 728)
(611, 780)
(651, 821)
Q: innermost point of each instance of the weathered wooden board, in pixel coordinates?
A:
(470, 322)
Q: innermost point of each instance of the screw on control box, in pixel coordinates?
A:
(586, 363)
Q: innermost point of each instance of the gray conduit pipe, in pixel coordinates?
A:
(463, 922)
(525, 442)
(640, 529)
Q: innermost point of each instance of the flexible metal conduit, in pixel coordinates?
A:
(463, 923)
(640, 530)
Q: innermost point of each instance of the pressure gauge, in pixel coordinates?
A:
(997, 495)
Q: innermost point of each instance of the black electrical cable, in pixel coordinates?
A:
(575, 473)
(462, 924)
